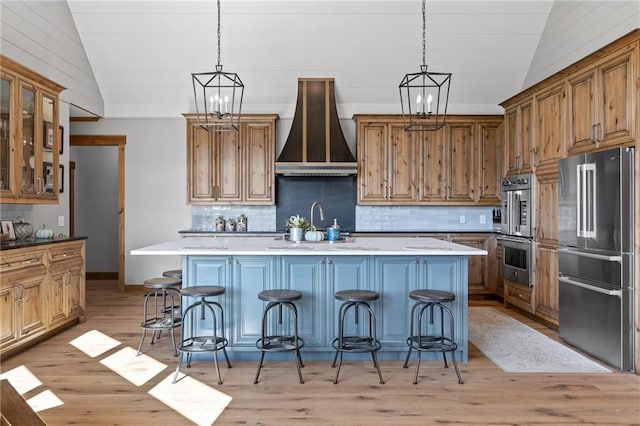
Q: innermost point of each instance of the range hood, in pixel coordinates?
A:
(316, 145)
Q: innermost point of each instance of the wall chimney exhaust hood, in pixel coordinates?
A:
(316, 145)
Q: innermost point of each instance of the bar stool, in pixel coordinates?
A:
(280, 342)
(353, 344)
(209, 338)
(420, 339)
(177, 274)
(155, 315)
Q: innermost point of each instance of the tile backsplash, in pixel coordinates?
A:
(13, 211)
(259, 218)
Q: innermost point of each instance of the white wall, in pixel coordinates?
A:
(155, 187)
(96, 204)
(577, 28)
(42, 36)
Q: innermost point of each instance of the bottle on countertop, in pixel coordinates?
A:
(220, 224)
(242, 223)
(333, 232)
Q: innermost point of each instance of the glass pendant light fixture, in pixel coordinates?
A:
(218, 96)
(424, 95)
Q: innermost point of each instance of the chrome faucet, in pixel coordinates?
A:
(313, 206)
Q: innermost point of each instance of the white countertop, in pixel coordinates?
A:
(269, 245)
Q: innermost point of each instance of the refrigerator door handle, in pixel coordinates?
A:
(591, 255)
(566, 280)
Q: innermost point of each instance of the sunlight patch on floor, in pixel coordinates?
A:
(22, 379)
(138, 369)
(44, 401)
(94, 343)
(193, 399)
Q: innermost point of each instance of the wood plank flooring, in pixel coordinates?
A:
(93, 394)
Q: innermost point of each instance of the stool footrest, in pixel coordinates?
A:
(357, 344)
(162, 323)
(203, 344)
(279, 343)
(432, 343)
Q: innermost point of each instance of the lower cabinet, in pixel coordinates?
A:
(42, 289)
(546, 281)
(318, 278)
(519, 295)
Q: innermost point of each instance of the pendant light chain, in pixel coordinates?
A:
(424, 33)
(219, 33)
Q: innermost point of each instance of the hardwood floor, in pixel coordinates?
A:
(93, 394)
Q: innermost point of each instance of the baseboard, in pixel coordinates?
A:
(101, 275)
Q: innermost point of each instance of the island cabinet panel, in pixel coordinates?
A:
(318, 278)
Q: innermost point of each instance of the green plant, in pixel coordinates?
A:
(297, 221)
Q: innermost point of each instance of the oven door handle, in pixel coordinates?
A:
(590, 255)
(566, 280)
(522, 240)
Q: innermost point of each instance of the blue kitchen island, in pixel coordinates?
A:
(391, 266)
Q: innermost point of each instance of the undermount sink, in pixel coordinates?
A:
(355, 248)
(291, 247)
(426, 248)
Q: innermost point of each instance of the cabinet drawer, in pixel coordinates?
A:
(13, 261)
(62, 252)
(518, 295)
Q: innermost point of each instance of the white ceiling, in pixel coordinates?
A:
(142, 52)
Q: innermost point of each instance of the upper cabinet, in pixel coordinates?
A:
(232, 167)
(519, 136)
(549, 130)
(459, 164)
(601, 99)
(29, 136)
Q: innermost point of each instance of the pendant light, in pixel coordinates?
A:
(424, 95)
(218, 96)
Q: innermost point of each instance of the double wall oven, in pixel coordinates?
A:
(517, 228)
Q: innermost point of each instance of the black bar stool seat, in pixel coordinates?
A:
(351, 344)
(156, 314)
(280, 298)
(211, 337)
(421, 339)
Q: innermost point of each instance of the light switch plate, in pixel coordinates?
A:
(483, 219)
(463, 219)
(61, 221)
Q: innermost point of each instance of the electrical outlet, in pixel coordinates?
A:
(483, 219)
(463, 219)
(60, 221)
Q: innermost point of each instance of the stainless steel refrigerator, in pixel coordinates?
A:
(595, 229)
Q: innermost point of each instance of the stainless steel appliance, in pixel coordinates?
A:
(595, 228)
(517, 228)
(517, 205)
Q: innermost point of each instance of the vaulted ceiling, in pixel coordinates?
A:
(142, 52)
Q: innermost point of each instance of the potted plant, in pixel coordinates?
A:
(297, 225)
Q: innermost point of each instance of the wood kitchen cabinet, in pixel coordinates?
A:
(550, 123)
(457, 165)
(518, 135)
(600, 103)
(479, 282)
(42, 291)
(519, 295)
(232, 167)
(386, 163)
(546, 213)
(29, 136)
(546, 282)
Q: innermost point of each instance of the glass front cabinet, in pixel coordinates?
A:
(29, 136)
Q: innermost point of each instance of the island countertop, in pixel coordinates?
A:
(269, 245)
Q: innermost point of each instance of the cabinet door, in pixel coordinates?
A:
(200, 164)
(582, 111)
(32, 315)
(56, 294)
(76, 291)
(489, 163)
(550, 127)
(9, 298)
(432, 166)
(251, 275)
(228, 167)
(459, 164)
(346, 273)
(478, 266)
(512, 140)
(527, 141)
(7, 157)
(497, 269)
(372, 163)
(546, 215)
(616, 100)
(396, 277)
(306, 274)
(401, 167)
(546, 282)
(258, 163)
(29, 178)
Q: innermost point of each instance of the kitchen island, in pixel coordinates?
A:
(391, 266)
